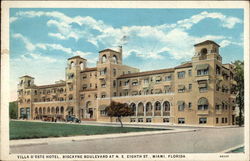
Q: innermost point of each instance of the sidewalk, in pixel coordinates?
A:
(46, 141)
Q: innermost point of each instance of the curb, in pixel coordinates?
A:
(94, 137)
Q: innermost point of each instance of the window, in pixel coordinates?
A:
(71, 75)
(90, 85)
(148, 120)
(104, 58)
(203, 120)
(114, 59)
(126, 83)
(217, 70)
(120, 83)
(181, 88)
(167, 89)
(222, 120)
(140, 119)
(114, 94)
(114, 83)
(181, 105)
(202, 72)
(103, 71)
(202, 107)
(82, 96)
(103, 95)
(203, 104)
(189, 105)
(114, 72)
(135, 82)
(190, 86)
(203, 87)
(225, 119)
(103, 85)
(181, 120)
(103, 113)
(166, 120)
(168, 78)
(217, 107)
(189, 72)
(217, 120)
(146, 81)
(181, 74)
(132, 120)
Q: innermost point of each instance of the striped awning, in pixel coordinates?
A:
(202, 85)
(158, 78)
(181, 86)
(180, 102)
(135, 81)
(202, 66)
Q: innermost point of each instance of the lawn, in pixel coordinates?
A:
(28, 130)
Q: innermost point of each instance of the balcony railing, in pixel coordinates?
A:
(202, 112)
(202, 77)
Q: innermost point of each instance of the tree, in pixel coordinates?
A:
(13, 109)
(117, 109)
(239, 78)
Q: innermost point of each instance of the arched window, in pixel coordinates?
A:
(57, 110)
(103, 95)
(157, 106)
(166, 106)
(149, 107)
(81, 65)
(70, 97)
(114, 59)
(133, 107)
(140, 109)
(88, 104)
(40, 110)
(203, 54)
(104, 58)
(62, 110)
(48, 110)
(36, 110)
(44, 110)
(52, 110)
(203, 103)
(29, 83)
(72, 64)
(114, 72)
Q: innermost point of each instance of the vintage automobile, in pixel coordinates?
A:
(72, 119)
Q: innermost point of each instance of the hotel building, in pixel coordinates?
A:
(198, 92)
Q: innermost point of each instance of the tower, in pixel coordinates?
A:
(74, 67)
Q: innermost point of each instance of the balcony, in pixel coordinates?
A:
(140, 114)
(202, 77)
(202, 112)
(165, 113)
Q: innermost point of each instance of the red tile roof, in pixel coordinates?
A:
(207, 42)
(108, 50)
(76, 57)
(52, 85)
(186, 65)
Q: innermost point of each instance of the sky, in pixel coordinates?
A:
(42, 39)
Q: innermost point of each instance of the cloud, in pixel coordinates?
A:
(13, 19)
(28, 45)
(225, 43)
(143, 41)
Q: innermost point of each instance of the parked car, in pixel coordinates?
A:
(72, 119)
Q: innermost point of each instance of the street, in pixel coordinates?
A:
(204, 140)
